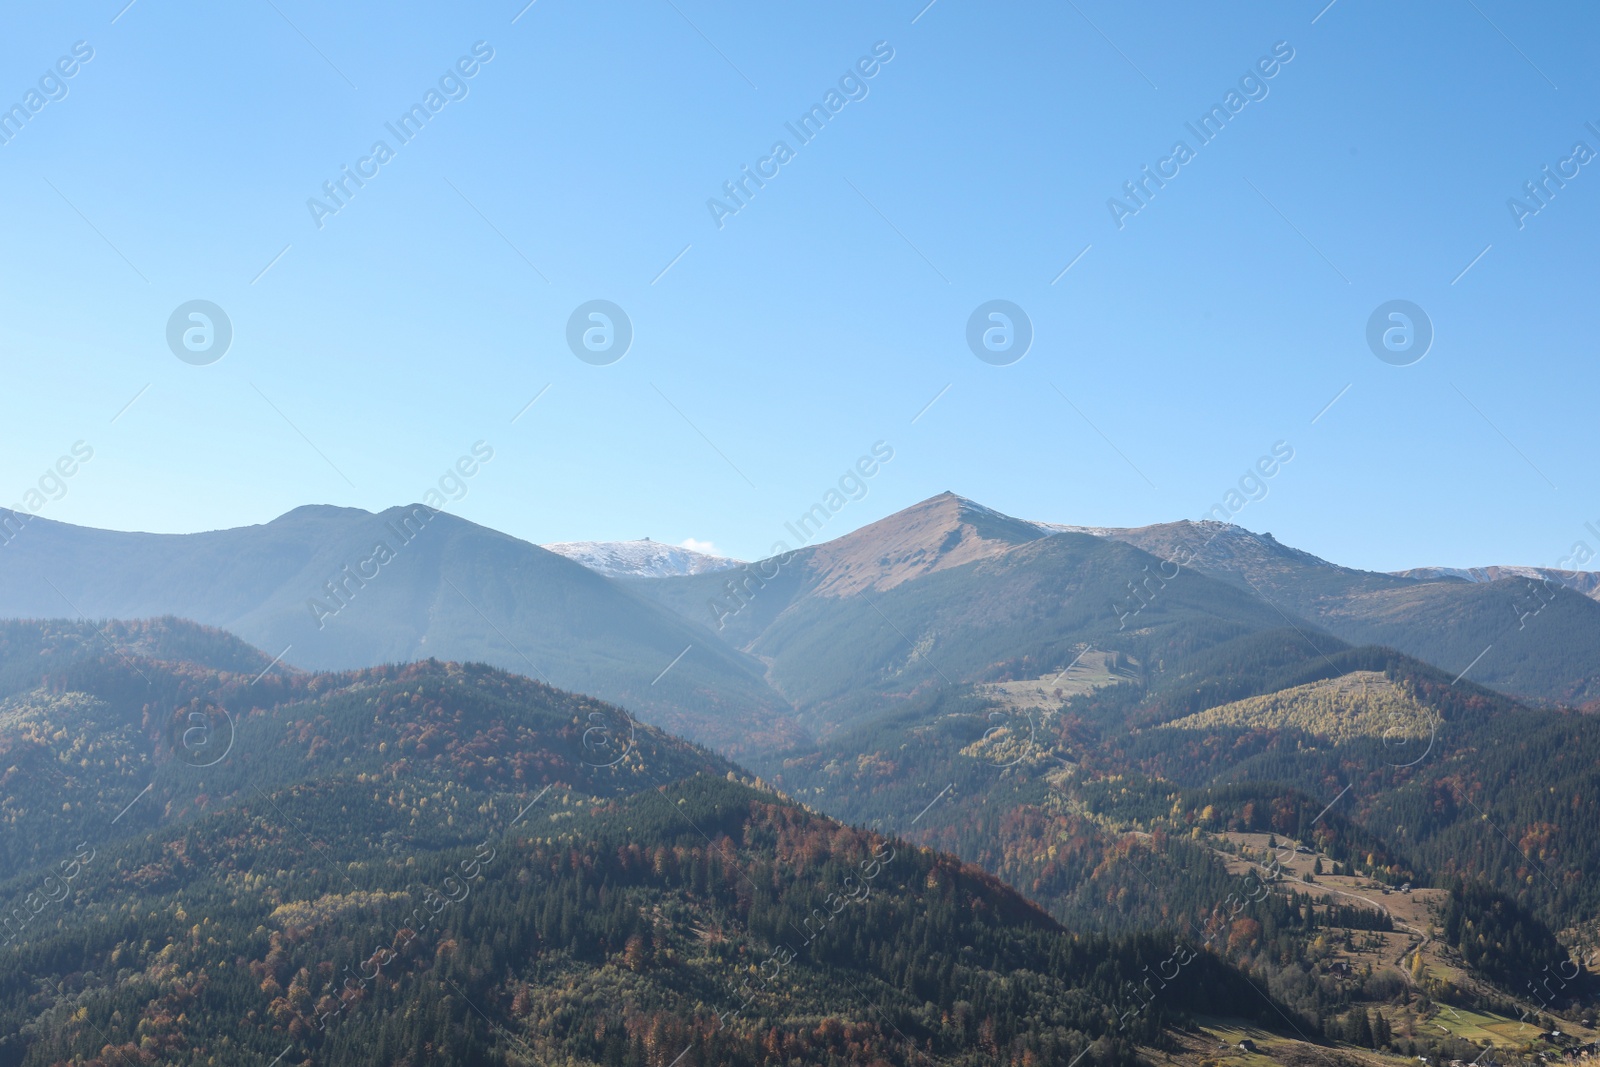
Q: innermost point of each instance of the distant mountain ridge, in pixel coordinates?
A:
(329, 588)
(1585, 582)
(643, 558)
(755, 657)
(1516, 632)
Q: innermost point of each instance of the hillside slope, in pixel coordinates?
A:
(437, 863)
(1535, 639)
(948, 592)
(1106, 807)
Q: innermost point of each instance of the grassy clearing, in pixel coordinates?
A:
(1092, 671)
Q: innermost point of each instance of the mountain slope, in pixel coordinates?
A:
(337, 588)
(1107, 808)
(949, 592)
(1023, 613)
(88, 724)
(940, 533)
(1535, 639)
(1341, 709)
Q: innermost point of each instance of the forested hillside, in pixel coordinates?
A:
(445, 862)
(1113, 808)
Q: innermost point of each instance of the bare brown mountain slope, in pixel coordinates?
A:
(941, 532)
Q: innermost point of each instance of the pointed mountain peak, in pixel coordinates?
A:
(941, 532)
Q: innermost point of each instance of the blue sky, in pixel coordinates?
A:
(824, 316)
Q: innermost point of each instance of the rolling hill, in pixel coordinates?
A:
(1423, 765)
(1341, 709)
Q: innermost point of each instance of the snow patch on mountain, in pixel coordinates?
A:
(1093, 531)
(643, 558)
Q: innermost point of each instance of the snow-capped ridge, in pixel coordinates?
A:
(1584, 582)
(643, 558)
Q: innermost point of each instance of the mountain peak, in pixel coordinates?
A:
(311, 511)
(936, 534)
(1222, 548)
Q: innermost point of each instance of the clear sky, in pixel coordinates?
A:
(373, 346)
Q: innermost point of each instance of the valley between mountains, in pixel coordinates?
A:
(955, 787)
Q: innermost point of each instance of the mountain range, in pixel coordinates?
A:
(1424, 611)
(952, 787)
(762, 656)
(1585, 582)
(1527, 631)
(339, 588)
